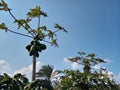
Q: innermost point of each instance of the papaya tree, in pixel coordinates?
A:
(87, 78)
(38, 35)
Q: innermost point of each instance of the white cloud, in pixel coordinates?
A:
(4, 67)
(70, 65)
(96, 66)
(75, 65)
(107, 60)
(28, 70)
(117, 77)
(66, 60)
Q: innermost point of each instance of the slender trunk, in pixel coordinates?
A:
(34, 68)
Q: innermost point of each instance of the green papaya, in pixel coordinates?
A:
(28, 47)
(38, 48)
(37, 54)
(37, 42)
(32, 42)
(43, 46)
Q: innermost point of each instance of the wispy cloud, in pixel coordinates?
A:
(4, 67)
(28, 69)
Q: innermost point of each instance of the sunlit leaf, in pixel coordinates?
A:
(3, 5)
(43, 28)
(51, 34)
(43, 14)
(91, 55)
(3, 27)
(35, 12)
(74, 59)
(59, 27)
(22, 23)
(40, 34)
(54, 42)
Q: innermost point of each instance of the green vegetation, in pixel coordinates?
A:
(86, 78)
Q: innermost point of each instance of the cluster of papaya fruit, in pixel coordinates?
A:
(34, 47)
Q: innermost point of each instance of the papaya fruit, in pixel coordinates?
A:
(39, 49)
(28, 47)
(32, 42)
(43, 46)
(37, 54)
(37, 42)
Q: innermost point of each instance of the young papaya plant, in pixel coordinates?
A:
(38, 34)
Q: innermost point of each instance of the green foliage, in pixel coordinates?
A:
(18, 82)
(36, 12)
(3, 5)
(39, 85)
(87, 78)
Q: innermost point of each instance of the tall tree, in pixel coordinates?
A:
(38, 34)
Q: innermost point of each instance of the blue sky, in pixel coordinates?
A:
(93, 27)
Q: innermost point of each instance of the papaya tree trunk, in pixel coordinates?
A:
(34, 68)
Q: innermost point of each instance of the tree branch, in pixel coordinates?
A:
(16, 20)
(19, 33)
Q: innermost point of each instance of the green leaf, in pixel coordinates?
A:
(3, 5)
(35, 12)
(3, 27)
(54, 42)
(74, 59)
(40, 34)
(43, 14)
(91, 55)
(51, 34)
(43, 28)
(22, 22)
(60, 27)
(100, 60)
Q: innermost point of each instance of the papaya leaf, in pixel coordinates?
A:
(43, 14)
(43, 28)
(51, 34)
(22, 22)
(54, 42)
(40, 34)
(35, 12)
(3, 26)
(60, 27)
(3, 5)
